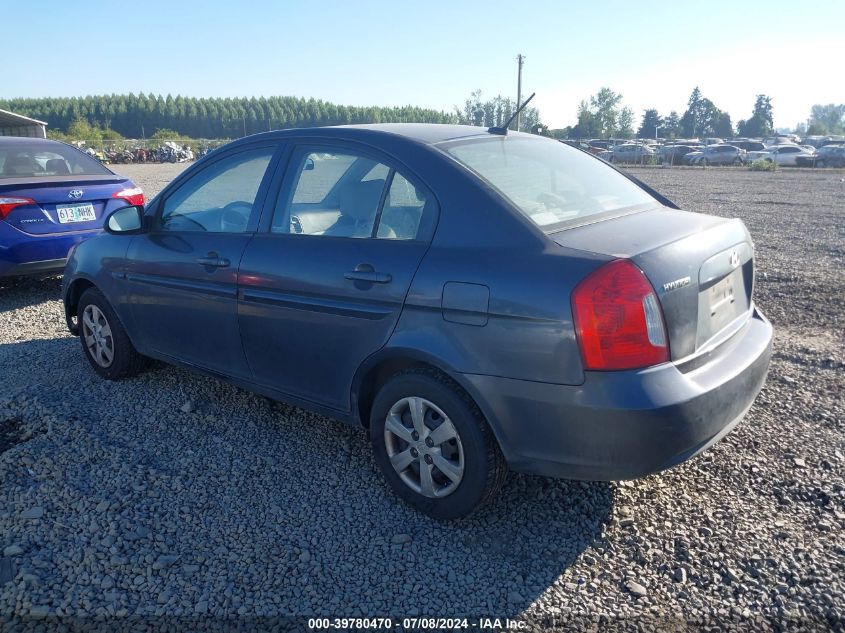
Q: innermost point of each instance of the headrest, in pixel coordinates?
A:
(57, 165)
(359, 200)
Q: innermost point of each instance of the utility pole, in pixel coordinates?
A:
(520, 59)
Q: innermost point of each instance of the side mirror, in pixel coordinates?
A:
(309, 164)
(126, 220)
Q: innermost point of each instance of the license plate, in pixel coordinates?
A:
(75, 213)
(723, 305)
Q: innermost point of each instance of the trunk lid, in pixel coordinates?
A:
(57, 210)
(701, 267)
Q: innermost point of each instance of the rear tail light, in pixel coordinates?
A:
(7, 204)
(618, 320)
(134, 196)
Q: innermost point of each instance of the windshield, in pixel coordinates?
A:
(553, 184)
(29, 159)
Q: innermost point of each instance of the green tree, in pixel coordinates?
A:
(586, 127)
(626, 123)
(494, 112)
(82, 130)
(827, 119)
(761, 123)
(605, 108)
(723, 128)
(702, 118)
(672, 125)
(652, 123)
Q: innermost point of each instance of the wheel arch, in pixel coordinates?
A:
(71, 301)
(376, 369)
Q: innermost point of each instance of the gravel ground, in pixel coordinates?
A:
(173, 494)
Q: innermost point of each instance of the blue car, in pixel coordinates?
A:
(478, 300)
(52, 196)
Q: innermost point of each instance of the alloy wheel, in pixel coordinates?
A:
(98, 335)
(424, 447)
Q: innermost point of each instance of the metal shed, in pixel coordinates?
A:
(12, 124)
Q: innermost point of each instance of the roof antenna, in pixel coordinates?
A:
(503, 131)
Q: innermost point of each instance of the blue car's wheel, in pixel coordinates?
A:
(434, 446)
(104, 341)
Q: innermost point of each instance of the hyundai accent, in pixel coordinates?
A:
(478, 300)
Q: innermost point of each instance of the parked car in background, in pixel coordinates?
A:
(827, 156)
(716, 155)
(584, 146)
(781, 139)
(52, 196)
(674, 154)
(632, 153)
(476, 299)
(748, 146)
(780, 154)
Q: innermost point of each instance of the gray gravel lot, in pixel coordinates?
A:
(174, 494)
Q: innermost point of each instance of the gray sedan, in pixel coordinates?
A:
(477, 300)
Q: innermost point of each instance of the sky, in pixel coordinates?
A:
(434, 53)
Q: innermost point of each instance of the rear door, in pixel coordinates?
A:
(323, 287)
(182, 275)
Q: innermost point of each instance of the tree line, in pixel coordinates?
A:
(600, 116)
(137, 116)
(142, 115)
(603, 116)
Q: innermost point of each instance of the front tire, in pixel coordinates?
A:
(434, 446)
(104, 341)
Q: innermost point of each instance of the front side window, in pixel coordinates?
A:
(220, 198)
(343, 194)
(549, 182)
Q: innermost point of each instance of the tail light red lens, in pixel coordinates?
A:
(7, 204)
(134, 196)
(618, 320)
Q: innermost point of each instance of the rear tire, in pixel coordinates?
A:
(454, 435)
(819, 163)
(104, 341)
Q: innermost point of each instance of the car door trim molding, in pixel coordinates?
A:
(315, 304)
(210, 288)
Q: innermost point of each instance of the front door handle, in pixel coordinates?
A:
(213, 259)
(365, 272)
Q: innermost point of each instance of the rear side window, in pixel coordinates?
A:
(344, 194)
(551, 183)
(220, 198)
(44, 159)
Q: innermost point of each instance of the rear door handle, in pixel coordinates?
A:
(365, 272)
(213, 259)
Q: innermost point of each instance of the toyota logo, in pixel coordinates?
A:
(75, 194)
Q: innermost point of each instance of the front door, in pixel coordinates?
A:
(182, 275)
(324, 287)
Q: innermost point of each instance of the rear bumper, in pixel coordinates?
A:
(25, 254)
(624, 425)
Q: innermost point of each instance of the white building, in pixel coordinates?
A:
(12, 124)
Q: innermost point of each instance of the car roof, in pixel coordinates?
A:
(424, 133)
(28, 140)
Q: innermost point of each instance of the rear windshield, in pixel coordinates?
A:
(36, 160)
(551, 183)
